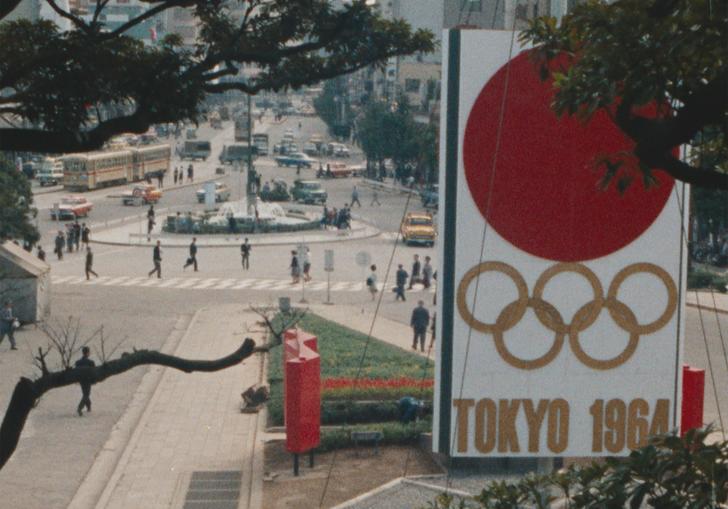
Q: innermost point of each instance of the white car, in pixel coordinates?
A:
(222, 193)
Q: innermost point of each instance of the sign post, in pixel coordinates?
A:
(561, 301)
(302, 254)
(329, 268)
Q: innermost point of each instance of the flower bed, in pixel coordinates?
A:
(349, 389)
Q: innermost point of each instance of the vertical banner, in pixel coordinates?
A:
(562, 306)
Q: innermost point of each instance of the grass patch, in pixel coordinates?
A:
(341, 350)
(393, 433)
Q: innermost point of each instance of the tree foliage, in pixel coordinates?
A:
(16, 205)
(625, 55)
(78, 88)
(669, 473)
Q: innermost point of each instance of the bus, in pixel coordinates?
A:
(260, 141)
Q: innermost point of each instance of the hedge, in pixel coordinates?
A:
(393, 433)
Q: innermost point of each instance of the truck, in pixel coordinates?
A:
(50, 172)
(243, 128)
(195, 150)
(260, 141)
(237, 152)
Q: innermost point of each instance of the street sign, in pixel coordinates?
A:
(329, 260)
(561, 301)
(363, 259)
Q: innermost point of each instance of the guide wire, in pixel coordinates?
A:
(494, 164)
(368, 340)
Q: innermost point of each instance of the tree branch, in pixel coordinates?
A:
(78, 22)
(7, 6)
(169, 4)
(27, 392)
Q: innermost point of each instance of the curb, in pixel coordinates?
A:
(172, 187)
(103, 476)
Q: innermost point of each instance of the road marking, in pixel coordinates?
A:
(189, 282)
(206, 283)
(114, 281)
(225, 283)
(133, 281)
(243, 284)
(62, 279)
(170, 282)
(151, 282)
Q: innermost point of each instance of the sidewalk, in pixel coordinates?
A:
(386, 330)
(132, 234)
(707, 300)
(192, 445)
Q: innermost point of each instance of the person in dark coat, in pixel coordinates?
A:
(85, 362)
(90, 263)
(192, 260)
(85, 234)
(59, 243)
(41, 253)
(401, 280)
(77, 235)
(245, 253)
(415, 275)
(157, 259)
(419, 322)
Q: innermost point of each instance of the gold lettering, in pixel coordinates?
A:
(507, 434)
(463, 407)
(661, 418)
(557, 434)
(485, 428)
(637, 412)
(534, 418)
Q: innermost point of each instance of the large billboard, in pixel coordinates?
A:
(560, 299)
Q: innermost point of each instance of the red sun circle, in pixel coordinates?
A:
(544, 192)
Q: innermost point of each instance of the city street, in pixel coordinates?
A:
(141, 312)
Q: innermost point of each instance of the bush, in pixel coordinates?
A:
(393, 434)
(703, 278)
(350, 389)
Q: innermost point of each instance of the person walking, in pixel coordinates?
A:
(85, 234)
(7, 324)
(190, 173)
(192, 260)
(401, 280)
(59, 243)
(245, 253)
(295, 268)
(372, 281)
(306, 265)
(375, 198)
(419, 322)
(416, 267)
(427, 273)
(69, 238)
(160, 179)
(174, 175)
(151, 213)
(157, 259)
(85, 362)
(41, 253)
(355, 196)
(77, 235)
(90, 264)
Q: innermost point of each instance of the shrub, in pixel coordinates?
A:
(393, 433)
(703, 278)
(350, 389)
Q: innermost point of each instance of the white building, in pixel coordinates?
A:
(26, 281)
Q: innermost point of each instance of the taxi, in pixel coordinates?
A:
(418, 228)
(71, 207)
(141, 194)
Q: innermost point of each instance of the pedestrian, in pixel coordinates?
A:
(59, 243)
(375, 198)
(69, 238)
(192, 260)
(306, 266)
(415, 276)
(245, 254)
(41, 253)
(85, 362)
(174, 175)
(427, 273)
(8, 324)
(372, 281)
(77, 235)
(295, 268)
(401, 280)
(90, 264)
(355, 196)
(151, 213)
(419, 322)
(190, 173)
(298, 169)
(85, 234)
(157, 259)
(160, 179)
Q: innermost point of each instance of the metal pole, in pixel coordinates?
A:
(295, 464)
(250, 143)
(310, 458)
(328, 287)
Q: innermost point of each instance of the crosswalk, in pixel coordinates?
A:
(212, 283)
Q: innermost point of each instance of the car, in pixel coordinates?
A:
(71, 207)
(141, 194)
(310, 149)
(295, 159)
(308, 191)
(194, 150)
(276, 192)
(222, 193)
(430, 196)
(335, 170)
(418, 228)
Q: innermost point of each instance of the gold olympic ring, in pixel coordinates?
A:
(550, 317)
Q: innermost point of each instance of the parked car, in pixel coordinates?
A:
(294, 159)
(418, 228)
(222, 193)
(191, 134)
(310, 149)
(237, 152)
(430, 196)
(141, 194)
(276, 192)
(72, 207)
(308, 191)
(335, 170)
(50, 172)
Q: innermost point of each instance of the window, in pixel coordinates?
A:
(472, 6)
(411, 85)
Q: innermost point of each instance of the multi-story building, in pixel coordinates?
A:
(508, 14)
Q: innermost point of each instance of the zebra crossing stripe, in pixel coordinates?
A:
(114, 281)
(133, 281)
(189, 282)
(315, 287)
(264, 284)
(76, 280)
(59, 280)
(170, 282)
(243, 284)
(151, 282)
(225, 283)
(206, 283)
(283, 285)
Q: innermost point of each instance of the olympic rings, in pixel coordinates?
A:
(550, 317)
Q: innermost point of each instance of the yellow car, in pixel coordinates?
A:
(418, 228)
